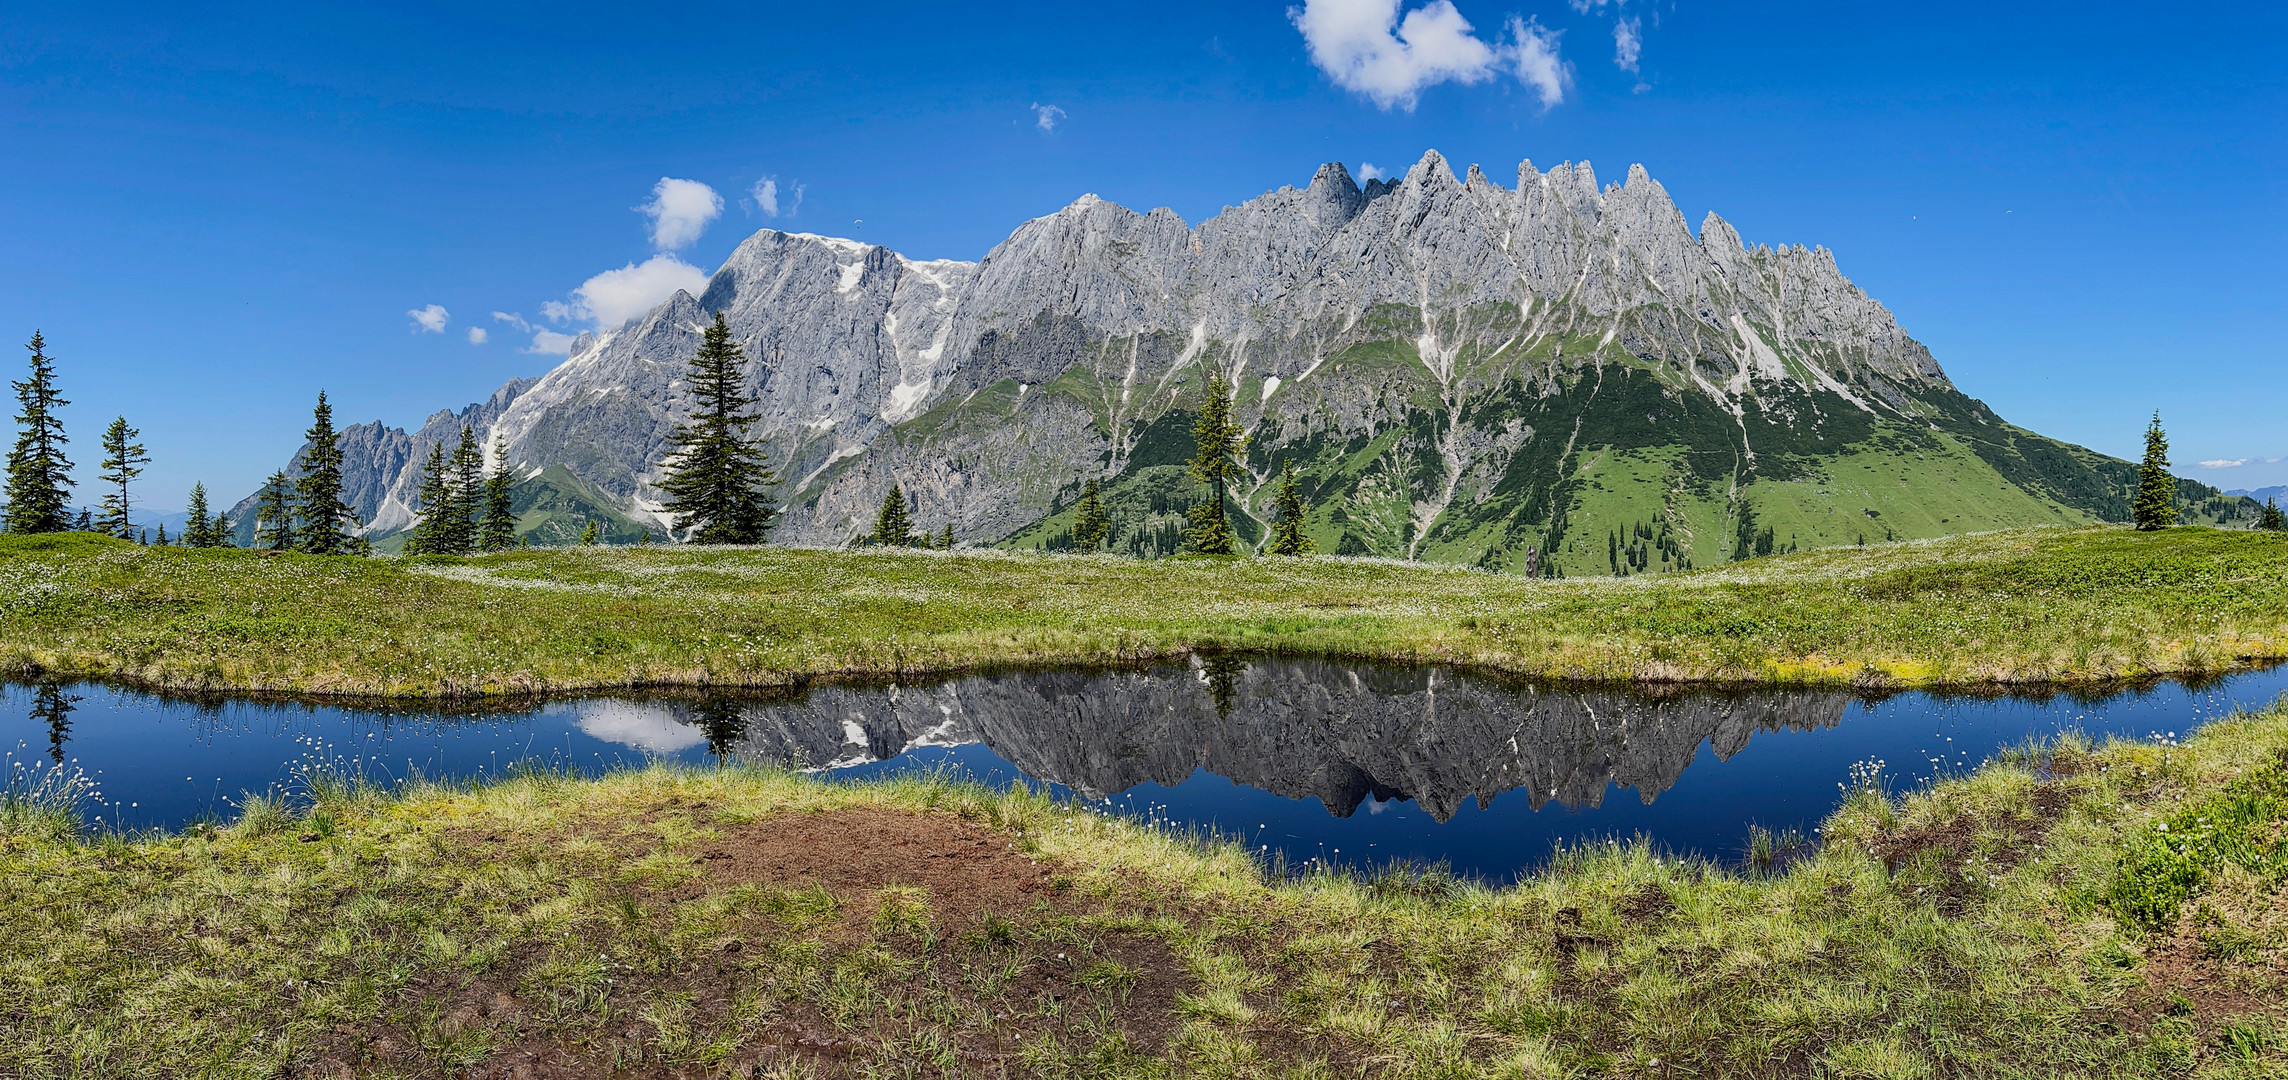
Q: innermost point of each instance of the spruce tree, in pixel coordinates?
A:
(591, 535)
(715, 478)
(1287, 529)
(326, 522)
(1091, 525)
(464, 495)
(1215, 462)
(123, 461)
(162, 541)
(198, 532)
(2155, 505)
(220, 533)
(496, 528)
(39, 476)
(891, 527)
(2271, 519)
(945, 539)
(435, 505)
(85, 522)
(274, 514)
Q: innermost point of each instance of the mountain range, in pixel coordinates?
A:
(1558, 375)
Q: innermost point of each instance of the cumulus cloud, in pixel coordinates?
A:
(766, 193)
(2234, 463)
(1369, 171)
(429, 320)
(477, 335)
(1628, 43)
(544, 341)
(615, 296)
(680, 210)
(1047, 117)
(1365, 47)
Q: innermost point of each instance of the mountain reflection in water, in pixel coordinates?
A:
(1339, 733)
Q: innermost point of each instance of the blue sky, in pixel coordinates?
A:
(2080, 208)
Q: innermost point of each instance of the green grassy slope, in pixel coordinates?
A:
(2057, 604)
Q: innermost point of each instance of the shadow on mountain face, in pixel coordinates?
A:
(1335, 732)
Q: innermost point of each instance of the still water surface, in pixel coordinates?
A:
(1358, 764)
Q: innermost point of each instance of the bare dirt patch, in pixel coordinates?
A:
(1014, 958)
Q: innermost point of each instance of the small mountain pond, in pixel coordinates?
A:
(1357, 764)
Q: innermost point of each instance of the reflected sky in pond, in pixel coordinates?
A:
(1361, 764)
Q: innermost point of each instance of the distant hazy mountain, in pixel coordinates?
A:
(2261, 494)
(1460, 371)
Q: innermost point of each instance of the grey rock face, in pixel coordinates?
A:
(1334, 732)
(988, 388)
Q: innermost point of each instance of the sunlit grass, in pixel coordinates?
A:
(2037, 605)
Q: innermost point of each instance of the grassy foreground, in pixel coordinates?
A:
(2038, 605)
(2075, 911)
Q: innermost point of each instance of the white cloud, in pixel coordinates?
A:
(680, 210)
(2224, 463)
(429, 320)
(615, 296)
(1628, 43)
(543, 341)
(1364, 46)
(551, 343)
(766, 193)
(1368, 171)
(477, 335)
(1534, 54)
(1047, 117)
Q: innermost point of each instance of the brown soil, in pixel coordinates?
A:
(1953, 839)
(986, 901)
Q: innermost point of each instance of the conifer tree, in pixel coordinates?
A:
(1215, 462)
(274, 514)
(430, 535)
(496, 528)
(123, 461)
(2155, 505)
(1287, 529)
(198, 532)
(2271, 519)
(162, 541)
(85, 522)
(590, 535)
(945, 539)
(326, 523)
(220, 533)
(464, 495)
(715, 478)
(1091, 525)
(39, 476)
(891, 527)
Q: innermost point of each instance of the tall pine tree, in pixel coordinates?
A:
(1287, 528)
(715, 478)
(2271, 520)
(123, 461)
(198, 532)
(39, 475)
(274, 514)
(325, 523)
(1091, 525)
(431, 534)
(465, 493)
(2155, 505)
(892, 528)
(496, 525)
(1215, 462)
